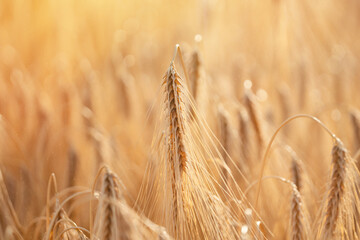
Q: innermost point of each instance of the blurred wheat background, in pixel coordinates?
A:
(101, 139)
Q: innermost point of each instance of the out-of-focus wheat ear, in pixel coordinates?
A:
(336, 191)
(72, 168)
(195, 73)
(244, 134)
(285, 100)
(254, 114)
(98, 141)
(73, 163)
(66, 107)
(338, 84)
(355, 120)
(296, 172)
(87, 110)
(224, 140)
(177, 156)
(303, 88)
(122, 82)
(122, 79)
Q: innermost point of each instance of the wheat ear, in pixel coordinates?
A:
(112, 223)
(244, 134)
(73, 163)
(296, 173)
(194, 73)
(355, 120)
(225, 140)
(177, 155)
(254, 115)
(297, 225)
(109, 194)
(298, 231)
(336, 191)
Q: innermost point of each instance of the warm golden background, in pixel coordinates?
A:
(81, 86)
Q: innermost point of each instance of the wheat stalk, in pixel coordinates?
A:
(122, 76)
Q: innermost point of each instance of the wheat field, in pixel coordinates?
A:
(153, 119)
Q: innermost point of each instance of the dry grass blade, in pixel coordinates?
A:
(121, 75)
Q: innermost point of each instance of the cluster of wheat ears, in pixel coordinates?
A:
(252, 132)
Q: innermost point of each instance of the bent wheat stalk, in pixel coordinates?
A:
(267, 151)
